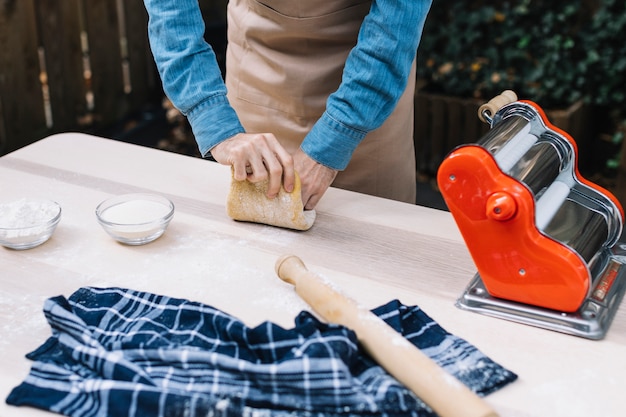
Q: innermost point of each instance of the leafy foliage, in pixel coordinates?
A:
(552, 52)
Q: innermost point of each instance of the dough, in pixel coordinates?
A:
(247, 201)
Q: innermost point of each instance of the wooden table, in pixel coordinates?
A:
(375, 249)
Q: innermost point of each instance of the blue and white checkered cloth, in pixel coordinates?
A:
(118, 352)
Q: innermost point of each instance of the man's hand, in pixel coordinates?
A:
(315, 178)
(257, 157)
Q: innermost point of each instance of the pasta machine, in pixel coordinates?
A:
(545, 241)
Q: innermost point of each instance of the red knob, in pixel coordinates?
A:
(501, 206)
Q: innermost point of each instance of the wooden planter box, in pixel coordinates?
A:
(444, 122)
(441, 124)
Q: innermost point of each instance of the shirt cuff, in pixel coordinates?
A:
(212, 122)
(332, 143)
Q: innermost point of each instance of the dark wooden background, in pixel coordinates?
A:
(71, 65)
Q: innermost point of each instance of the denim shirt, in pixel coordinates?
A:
(375, 76)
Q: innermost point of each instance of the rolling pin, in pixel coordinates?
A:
(446, 395)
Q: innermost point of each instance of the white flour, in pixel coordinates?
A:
(135, 212)
(31, 215)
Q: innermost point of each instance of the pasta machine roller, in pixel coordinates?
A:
(545, 241)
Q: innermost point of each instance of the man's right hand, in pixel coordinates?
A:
(257, 157)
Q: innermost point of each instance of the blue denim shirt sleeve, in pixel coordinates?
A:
(374, 78)
(189, 70)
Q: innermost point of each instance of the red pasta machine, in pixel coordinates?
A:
(545, 241)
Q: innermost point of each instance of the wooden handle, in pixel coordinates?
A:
(447, 396)
(492, 106)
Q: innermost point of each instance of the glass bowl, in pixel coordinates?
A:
(28, 222)
(135, 219)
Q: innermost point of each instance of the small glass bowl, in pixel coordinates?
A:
(135, 219)
(28, 222)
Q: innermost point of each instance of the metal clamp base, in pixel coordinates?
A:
(591, 321)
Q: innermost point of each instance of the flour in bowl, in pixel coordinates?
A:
(135, 212)
(27, 213)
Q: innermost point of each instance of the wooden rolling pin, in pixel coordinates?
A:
(446, 395)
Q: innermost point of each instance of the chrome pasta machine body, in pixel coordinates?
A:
(545, 241)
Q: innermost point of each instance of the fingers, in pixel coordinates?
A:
(240, 171)
(315, 177)
(257, 157)
(288, 171)
(312, 201)
(267, 167)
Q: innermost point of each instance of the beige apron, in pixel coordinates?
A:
(285, 57)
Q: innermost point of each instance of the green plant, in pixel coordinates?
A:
(605, 64)
(555, 53)
(552, 52)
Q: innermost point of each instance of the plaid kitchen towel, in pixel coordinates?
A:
(118, 352)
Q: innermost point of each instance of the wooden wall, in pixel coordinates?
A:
(71, 65)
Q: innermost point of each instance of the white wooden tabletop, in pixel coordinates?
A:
(374, 249)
